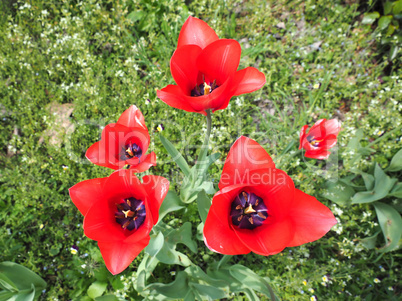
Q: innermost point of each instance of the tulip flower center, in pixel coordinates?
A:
(131, 150)
(313, 141)
(248, 211)
(204, 89)
(130, 214)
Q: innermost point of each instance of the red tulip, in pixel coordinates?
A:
(258, 209)
(320, 138)
(204, 68)
(125, 142)
(119, 212)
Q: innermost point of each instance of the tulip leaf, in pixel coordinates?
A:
(391, 225)
(396, 162)
(175, 290)
(176, 155)
(183, 235)
(370, 18)
(338, 192)
(20, 280)
(370, 242)
(155, 244)
(397, 191)
(170, 203)
(383, 184)
(368, 180)
(147, 265)
(251, 280)
(96, 289)
(203, 203)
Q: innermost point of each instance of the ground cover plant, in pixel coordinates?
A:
(70, 68)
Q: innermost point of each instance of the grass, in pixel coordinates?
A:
(67, 68)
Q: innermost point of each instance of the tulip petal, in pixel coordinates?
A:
(132, 117)
(123, 184)
(157, 187)
(145, 164)
(321, 155)
(173, 96)
(183, 66)
(248, 80)
(196, 32)
(86, 193)
(268, 239)
(119, 255)
(245, 155)
(96, 154)
(218, 235)
(219, 60)
(311, 219)
(332, 127)
(302, 135)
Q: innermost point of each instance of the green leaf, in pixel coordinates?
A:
(96, 289)
(251, 280)
(21, 277)
(368, 180)
(7, 284)
(391, 225)
(176, 289)
(369, 242)
(176, 155)
(170, 203)
(382, 186)
(396, 191)
(107, 298)
(397, 9)
(203, 203)
(370, 18)
(155, 244)
(339, 193)
(396, 162)
(387, 7)
(384, 22)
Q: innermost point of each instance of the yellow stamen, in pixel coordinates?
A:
(249, 210)
(207, 89)
(128, 213)
(129, 152)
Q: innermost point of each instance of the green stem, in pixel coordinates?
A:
(384, 136)
(204, 148)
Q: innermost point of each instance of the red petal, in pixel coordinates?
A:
(329, 141)
(302, 135)
(218, 235)
(96, 153)
(184, 68)
(318, 129)
(119, 255)
(174, 97)
(268, 239)
(311, 219)
(219, 60)
(124, 183)
(323, 154)
(86, 193)
(132, 117)
(156, 187)
(245, 155)
(248, 80)
(332, 127)
(145, 164)
(196, 32)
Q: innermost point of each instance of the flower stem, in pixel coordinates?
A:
(204, 148)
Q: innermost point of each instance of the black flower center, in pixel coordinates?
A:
(204, 89)
(131, 150)
(130, 214)
(313, 141)
(248, 211)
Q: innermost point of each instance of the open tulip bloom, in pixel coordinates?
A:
(124, 143)
(320, 138)
(204, 68)
(258, 209)
(119, 213)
